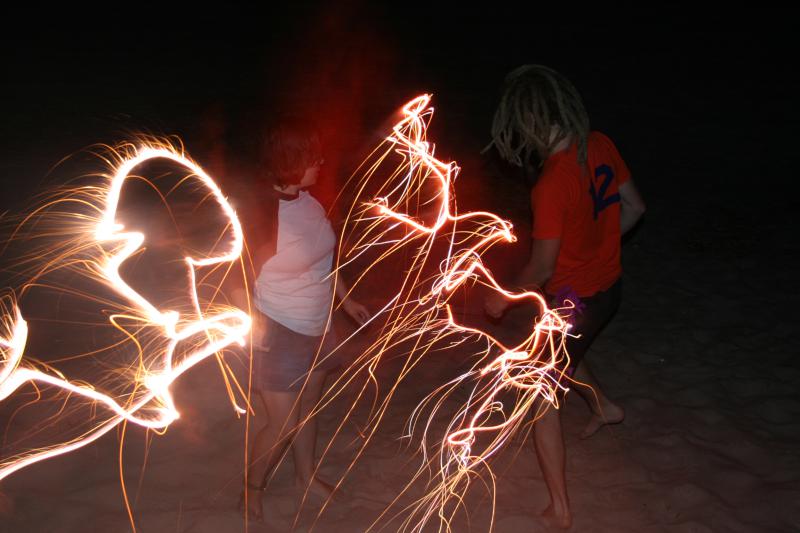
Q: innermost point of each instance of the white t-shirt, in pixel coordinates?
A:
(295, 287)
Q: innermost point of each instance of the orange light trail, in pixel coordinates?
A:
(421, 313)
(220, 329)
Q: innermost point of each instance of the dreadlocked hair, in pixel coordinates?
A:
(537, 102)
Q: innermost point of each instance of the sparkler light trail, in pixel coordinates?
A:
(205, 331)
(413, 212)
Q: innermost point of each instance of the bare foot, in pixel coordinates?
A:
(561, 520)
(611, 414)
(255, 511)
(317, 487)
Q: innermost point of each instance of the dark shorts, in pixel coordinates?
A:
(589, 318)
(282, 360)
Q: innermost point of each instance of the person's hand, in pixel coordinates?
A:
(495, 304)
(358, 312)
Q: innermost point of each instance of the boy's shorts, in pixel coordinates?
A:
(283, 358)
(588, 318)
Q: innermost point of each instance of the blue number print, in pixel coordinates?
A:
(599, 198)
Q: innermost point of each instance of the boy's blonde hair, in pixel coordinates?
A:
(535, 100)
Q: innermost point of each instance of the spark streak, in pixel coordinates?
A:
(220, 329)
(527, 375)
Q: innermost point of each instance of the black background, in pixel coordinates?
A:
(701, 107)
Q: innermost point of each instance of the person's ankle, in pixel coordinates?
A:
(558, 515)
(559, 502)
(316, 486)
(254, 482)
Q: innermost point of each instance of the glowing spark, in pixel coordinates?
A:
(530, 370)
(220, 329)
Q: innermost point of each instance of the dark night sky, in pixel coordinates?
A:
(682, 96)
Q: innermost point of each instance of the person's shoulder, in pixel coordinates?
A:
(307, 199)
(307, 206)
(600, 138)
(300, 202)
(601, 144)
(559, 176)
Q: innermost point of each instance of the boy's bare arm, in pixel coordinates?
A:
(631, 206)
(533, 276)
(540, 265)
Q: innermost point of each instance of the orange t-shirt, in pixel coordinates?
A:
(581, 206)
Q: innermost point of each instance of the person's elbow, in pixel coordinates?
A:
(545, 273)
(637, 204)
(544, 256)
(632, 203)
(540, 272)
(637, 209)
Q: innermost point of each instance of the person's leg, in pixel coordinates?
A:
(304, 443)
(269, 444)
(604, 411)
(549, 440)
(598, 311)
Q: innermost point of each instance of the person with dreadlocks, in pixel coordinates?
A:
(583, 201)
